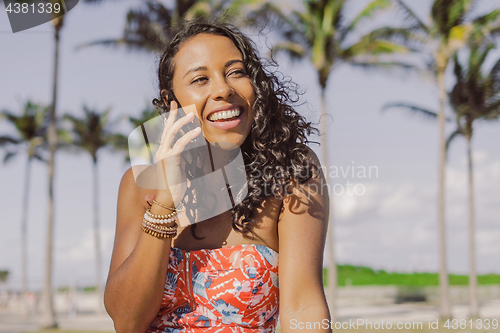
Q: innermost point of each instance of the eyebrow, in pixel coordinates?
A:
(230, 62)
(204, 68)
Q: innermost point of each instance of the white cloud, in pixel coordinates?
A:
(393, 225)
(75, 259)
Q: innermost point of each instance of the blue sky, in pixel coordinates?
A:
(389, 224)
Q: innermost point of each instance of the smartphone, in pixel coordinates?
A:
(180, 113)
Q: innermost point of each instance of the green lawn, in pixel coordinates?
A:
(363, 276)
(366, 276)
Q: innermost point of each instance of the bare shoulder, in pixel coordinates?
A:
(314, 161)
(128, 180)
(131, 195)
(315, 187)
(311, 156)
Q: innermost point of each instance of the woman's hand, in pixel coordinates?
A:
(168, 162)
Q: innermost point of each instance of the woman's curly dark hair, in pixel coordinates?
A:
(275, 155)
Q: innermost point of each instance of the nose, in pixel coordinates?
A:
(221, 89)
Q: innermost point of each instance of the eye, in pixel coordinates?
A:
(238, 72)
(199, 80)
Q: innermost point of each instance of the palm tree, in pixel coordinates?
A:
(448, 30)
(150, 27)
(92, 133)
(147, 113)
(475, 96)
(320, 34)
(31, 129)
(48, 319)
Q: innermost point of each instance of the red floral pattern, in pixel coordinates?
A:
(231, 289)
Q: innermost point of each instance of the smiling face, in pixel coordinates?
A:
(209, 73)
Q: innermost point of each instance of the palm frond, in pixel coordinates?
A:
(478, 56)
(199, 9)
(411, 17)
(367, 12)
(448, 14)
(457, 69)
(492, 110)
(5, 140)
(495, 76)
(10, 117)
(290, 27)
(92, 131)
(147, 114)
(148, 28)
(31, 126)
(8, 156)
(388, 65)
(119, 142)
(400, 36)
(487, 19)
(367, 46)
(413, 109)
(111, 43)
(495, 32)
(39, 157)
(459, 131)
(294, 50)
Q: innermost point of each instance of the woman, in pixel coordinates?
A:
(222, 274)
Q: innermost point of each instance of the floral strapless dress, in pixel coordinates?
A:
(231, 289)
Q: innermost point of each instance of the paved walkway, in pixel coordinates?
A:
(415, 311)
(15, 322)
(411, 312)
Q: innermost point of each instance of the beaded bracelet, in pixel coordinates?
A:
(160, 221)
(170, 232)
(148, 212)
(159, 226)
(158, 234)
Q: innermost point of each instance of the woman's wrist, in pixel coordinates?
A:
(164, 198)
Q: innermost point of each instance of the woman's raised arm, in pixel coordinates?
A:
(139, 263)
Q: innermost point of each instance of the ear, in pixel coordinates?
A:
(164, 96)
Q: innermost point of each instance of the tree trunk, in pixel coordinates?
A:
(332, 265)
(97, 235)
(474, 310)
(444, 306)
(48, 319)
(24, 237)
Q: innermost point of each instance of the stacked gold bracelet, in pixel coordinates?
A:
(165, 218)
(175, 209)
(158, 233)
(158, 225)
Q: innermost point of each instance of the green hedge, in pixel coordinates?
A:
(364, 276)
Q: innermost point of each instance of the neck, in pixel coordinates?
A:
(219, 156)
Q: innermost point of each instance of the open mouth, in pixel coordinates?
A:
(227, 115)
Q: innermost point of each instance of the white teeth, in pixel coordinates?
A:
(224, 114)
